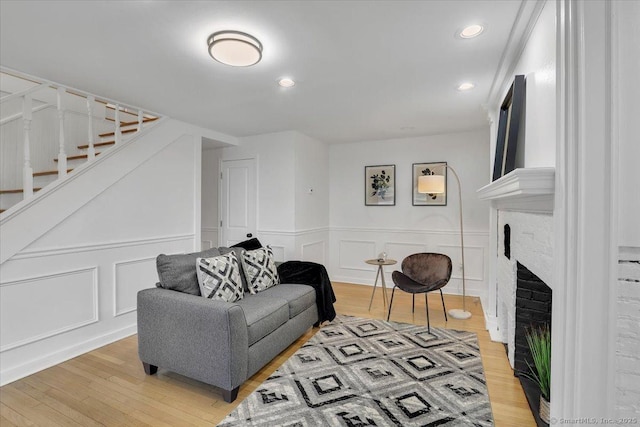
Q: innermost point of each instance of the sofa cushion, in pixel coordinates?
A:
(260, 269)
(219, 278)
(178, 272)
(264, 315)
(299, 297)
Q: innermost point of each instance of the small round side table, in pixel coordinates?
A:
(380, 263)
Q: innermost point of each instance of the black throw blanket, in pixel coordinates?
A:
(312, 274)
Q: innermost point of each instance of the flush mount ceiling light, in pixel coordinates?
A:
(235, 48)
(471, 31)
(465, 86)
(286, 82)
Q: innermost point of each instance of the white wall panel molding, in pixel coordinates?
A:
(278, 252)
(100, 246)
(380, 230)
(15, 372)
(130, 277)
(294, 233)
(474, 261)
(353, 253)
(314, 251)
(51, 308)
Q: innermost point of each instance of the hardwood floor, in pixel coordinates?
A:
(108, 386)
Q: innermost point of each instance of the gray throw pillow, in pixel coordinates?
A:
(178, 272)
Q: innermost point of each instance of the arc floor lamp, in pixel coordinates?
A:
(435, 184)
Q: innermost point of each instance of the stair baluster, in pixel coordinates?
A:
(91, 150)
(27, 171)
(118, 133)
(140, 120)
(62, 155)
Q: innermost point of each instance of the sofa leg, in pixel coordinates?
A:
(230, 395)
(149, 369)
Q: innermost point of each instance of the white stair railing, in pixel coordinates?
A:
(91, 151)
(118, 134)
(62, 155)
(39, 91)
(27, 171)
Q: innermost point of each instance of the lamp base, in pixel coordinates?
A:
(458, 313)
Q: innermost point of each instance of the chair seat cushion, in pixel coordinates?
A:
(299, 297)
(409, 285)
(263, 314)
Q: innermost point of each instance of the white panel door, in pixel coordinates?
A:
(238, 200)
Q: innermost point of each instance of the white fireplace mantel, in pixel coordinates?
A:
(523, 189)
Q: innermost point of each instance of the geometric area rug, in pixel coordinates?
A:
(359, 372)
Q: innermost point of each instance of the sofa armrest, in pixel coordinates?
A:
(197, 337)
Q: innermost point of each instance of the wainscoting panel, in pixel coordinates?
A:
(36, 308)
(401, 250)
(314, 252)
(351, 246)
(131, 277)
(353, 253)
(77, 298)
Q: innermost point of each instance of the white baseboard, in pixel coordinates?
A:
(15, 373)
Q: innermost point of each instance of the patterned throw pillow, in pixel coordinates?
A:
(260, 269)
(219, 277)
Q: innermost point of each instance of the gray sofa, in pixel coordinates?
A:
(221, 343)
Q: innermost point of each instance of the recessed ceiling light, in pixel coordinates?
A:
(466, 86)
(471, 31)
(235, 48)
(286, 82)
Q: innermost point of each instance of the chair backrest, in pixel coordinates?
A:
(427, 268)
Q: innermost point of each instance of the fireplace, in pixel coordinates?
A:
(522, 228)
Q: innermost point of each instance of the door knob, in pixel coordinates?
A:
(249, 235)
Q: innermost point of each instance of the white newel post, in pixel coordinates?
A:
(91, 151)
(140, 120)
(118, 133)
(27, 171)
(62, 155)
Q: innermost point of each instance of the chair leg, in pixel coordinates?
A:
(391, 303)
(443, 307)
(426, 306)
(413, 303)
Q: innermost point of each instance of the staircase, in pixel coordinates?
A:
(64, 128)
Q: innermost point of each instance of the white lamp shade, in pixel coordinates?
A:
(431, 184)
(235, 48)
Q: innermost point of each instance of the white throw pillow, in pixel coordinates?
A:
(219, 277)
(260, 269)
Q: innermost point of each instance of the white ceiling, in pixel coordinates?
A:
(365, 70)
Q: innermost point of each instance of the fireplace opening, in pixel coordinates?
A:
(533, 309)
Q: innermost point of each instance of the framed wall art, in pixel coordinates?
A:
(426, 199)
(508, 127)
(380, 185)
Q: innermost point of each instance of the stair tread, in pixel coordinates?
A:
(17, 190)
(55, 172)
(145, 120)
(79, 156)
(96, 144)
(102, 135)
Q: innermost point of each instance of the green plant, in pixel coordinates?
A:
(539, 340)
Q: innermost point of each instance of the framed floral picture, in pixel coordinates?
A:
(429, 199)
(380, 185)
